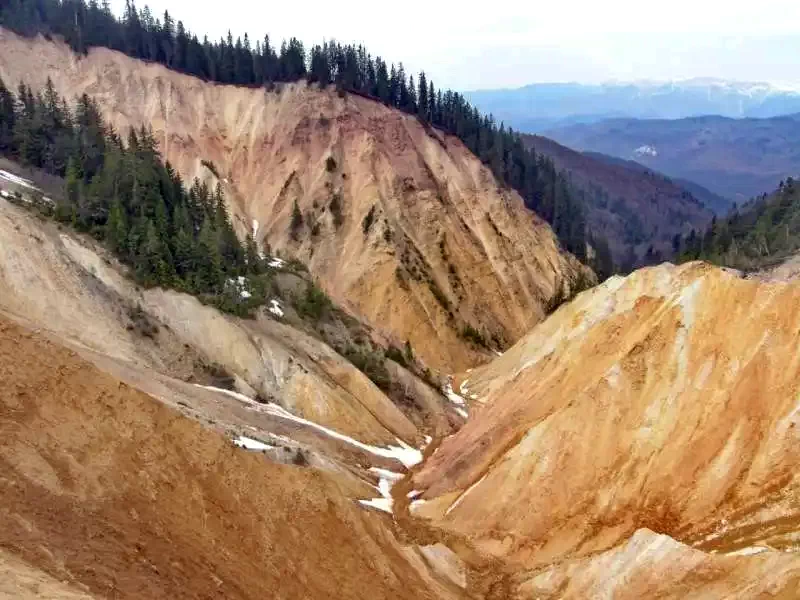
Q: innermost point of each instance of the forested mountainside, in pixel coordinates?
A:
(351, 68)
(714, 202)
(170, 234)
(638, 211)
(734, 158)
(758, 234)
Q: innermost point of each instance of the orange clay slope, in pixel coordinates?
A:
(667, 400)
(400, 222)
(107, 493)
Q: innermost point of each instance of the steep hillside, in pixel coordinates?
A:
(542, 106)
(56, 282)
(633, 208)
(109, 494)
(709, 199)
(735, 158)
(664, 401)
(399, 222)
(759, 234)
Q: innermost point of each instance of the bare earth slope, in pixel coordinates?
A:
(70, 287)
(666, 400)
(114, 495)
(402, 224)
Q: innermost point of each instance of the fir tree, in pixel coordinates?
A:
(297, 221)
(116, 230)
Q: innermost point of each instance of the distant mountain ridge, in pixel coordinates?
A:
(633, 207)
(734, 158)
(537, 107)
(714, 202)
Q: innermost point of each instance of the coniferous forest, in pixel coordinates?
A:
(759, 234)
(124, 194)
(140, 34)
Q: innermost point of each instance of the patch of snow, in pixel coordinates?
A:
(464, 495)
(462, 413)
(416, 504)
(385, 488)
(5, 194)
(403, 453)
(17, 180)
(275, 308)
(464, 390)
(447, 390)
(250, 444)
(276, 263)
(749, 551)
(646, 150)
(379, 503)
(240, 284)
(387, 474)
(231, 393)
(413, 494)
(255, 228)
(385, 502)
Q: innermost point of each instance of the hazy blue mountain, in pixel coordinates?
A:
(543, 106)
(734, 158)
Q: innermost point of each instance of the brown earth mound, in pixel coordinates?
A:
(107, 490)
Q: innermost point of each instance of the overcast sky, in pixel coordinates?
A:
(467, 45)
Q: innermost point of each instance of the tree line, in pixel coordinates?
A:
(757, 234)
(124, 194)
(140, 34)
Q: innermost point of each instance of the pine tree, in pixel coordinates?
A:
(422, 97)
(72, 190)
(152, 265)
(297, 221)
(320, 70)
(209, 272)
(252, 258)
(382, 81)
(116, 230)
(7, 120)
